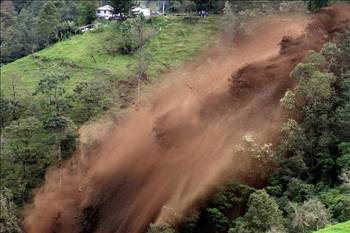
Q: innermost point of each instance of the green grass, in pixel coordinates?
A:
(337, 228)
(175, 44)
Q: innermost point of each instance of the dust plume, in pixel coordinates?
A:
(160, 161)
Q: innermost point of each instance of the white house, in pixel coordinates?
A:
(105, 12)
(141, 10)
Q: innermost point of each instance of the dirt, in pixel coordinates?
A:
(162, 160)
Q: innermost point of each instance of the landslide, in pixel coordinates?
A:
(163, 159)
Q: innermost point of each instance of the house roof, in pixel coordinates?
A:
(106, 7)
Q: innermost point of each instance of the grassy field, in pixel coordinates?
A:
(175, 43)
(337, 228)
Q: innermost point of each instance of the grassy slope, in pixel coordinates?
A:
(337, 228)
(176, 42)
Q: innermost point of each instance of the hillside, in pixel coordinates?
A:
(337, 228)
(176, 41)
(233, 123)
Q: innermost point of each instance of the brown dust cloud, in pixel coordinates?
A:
(162, 160)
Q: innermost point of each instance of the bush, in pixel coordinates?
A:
(341, 210)
(311, 215)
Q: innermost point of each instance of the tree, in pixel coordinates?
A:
(208, 5)
(26, 35)
(182, 6)
(63, 138)
(311, 215)
(24, 157)
(10, 221)
(121, 6)
(260, 158)
(20, 38)
(341, 209)
(312, 101)
(217, 221)
(343, 161)
(48, 20)
(69, 11)
(89, 98)
(132, 35)
(51, 86)
(298, 191)
(262, 215)
(14, 104)
(87, 12)
(20, 4)
(7, 17)
(315, 5)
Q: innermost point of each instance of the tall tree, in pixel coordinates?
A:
(48, 20)
(7, 17)
(121, 6)
(26, 35)
(87, 11)
(63, 138)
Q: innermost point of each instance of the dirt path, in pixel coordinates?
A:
(162, 159)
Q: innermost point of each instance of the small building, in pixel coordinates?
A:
(105, 12)
(141, 10)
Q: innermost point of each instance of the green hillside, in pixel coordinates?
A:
(176, 41)
(337, 228)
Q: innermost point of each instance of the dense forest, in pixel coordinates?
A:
(309, 187)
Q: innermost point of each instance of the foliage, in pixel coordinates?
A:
(215, 218)
(24, 157)
(89, 98)
(47, 21)
(9, 223)
(314, 101)
(262, 214)
(87, 12)
(315, 5)
(34, 25)
(259, 157)
(217, 221)
(160, 228)
(311, 215)
(132, 35)
(51, 86)
(121, 6)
